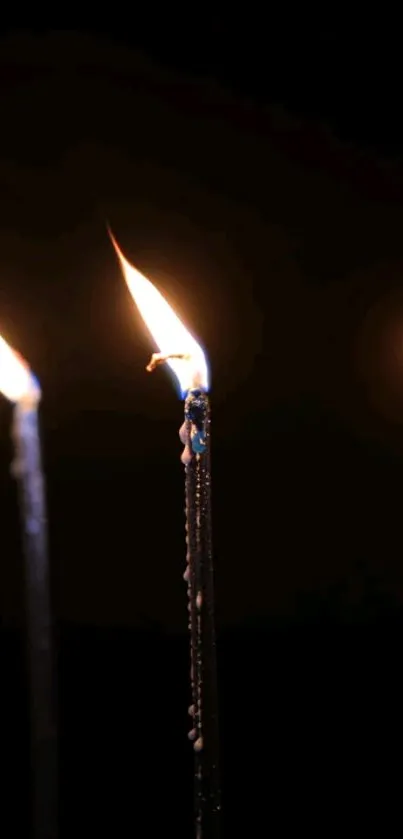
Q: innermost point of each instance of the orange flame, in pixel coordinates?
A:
(16, 380)
(175, 343)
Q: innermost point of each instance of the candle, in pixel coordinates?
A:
(18, 384)
(179, 349)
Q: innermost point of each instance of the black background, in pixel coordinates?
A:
(253, 172)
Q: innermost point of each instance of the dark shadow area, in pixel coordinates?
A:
(310, 727)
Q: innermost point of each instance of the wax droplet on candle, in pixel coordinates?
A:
(186, 575)
(198, 745)
(183, 434)
(191, 710)
(192, 734)
(199, 600)
(186, 456)
(199, 442)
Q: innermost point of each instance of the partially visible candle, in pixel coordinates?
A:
(18, 384)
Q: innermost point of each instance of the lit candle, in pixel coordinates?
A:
(179, 349)
(18, 384)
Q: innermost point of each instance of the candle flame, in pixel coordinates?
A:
(176, 345)
(16, 380)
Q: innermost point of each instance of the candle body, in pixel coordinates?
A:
(199, 575)
(27, 470)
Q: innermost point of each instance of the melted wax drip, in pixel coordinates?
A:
(193, 431)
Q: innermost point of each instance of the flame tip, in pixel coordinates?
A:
(114, 242)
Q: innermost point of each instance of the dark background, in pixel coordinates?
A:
(254, 173)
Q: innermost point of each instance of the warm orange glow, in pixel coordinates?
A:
(168, 332)
(16, 381)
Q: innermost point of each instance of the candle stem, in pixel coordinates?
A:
(27, 470)
(199, 574)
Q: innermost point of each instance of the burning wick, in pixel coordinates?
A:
(158, 358)
(18, 384)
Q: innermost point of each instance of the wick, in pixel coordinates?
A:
(158, 358)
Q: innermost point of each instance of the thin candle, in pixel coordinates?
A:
(18, 384)
(179, 349)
